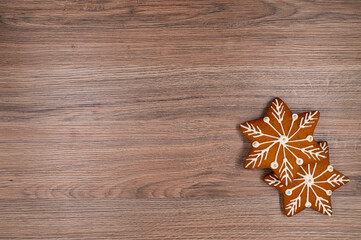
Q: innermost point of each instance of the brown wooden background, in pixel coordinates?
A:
(119, 119)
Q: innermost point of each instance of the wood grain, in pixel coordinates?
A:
(119, 119)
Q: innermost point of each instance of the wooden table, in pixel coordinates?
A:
(119, 119)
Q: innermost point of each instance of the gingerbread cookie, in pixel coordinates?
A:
(312, 187)
(282, 141)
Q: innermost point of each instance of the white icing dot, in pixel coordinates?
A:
(274, 165)
(309, 138)
(288, 192)
(266, 119)
(299, 161)
(329, 192)
(283, 139)
(308, 204)
(330, 168)
(255, 144)
(294, 116)
(308, 179)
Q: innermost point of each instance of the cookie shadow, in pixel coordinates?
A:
(280, 195)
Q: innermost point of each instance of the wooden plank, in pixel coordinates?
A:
(249, 218)
(102, 34)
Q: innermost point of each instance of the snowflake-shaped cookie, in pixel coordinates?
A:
(282, 141)
(312, 187)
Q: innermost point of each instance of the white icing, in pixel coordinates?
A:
(307, 180)
(309, 138)
(324, 147)
(299, 161)
(311, 152)
(273, 181)
(305, 122)
(274, 165)
(282, 138)
(259, 155)
(336, 180)
(251, 130)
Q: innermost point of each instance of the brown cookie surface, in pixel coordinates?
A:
(282, 140)
(312, 187)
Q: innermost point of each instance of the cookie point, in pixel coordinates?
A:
(255, 144)
(274, 165)
(266, 119)
(308, 204)
(309, 138)
(330, 168)
(329, 192)
(294, 116)
(288, 192)
(299, 161)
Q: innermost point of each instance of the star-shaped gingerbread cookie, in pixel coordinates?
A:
(312, 187)
(282, 141)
